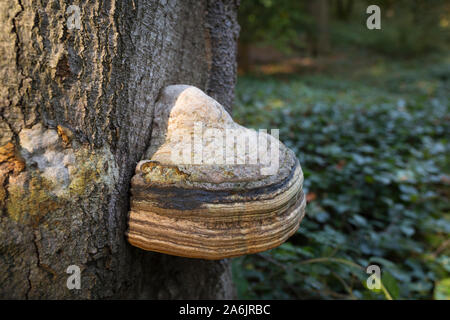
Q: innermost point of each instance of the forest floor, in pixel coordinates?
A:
(372, 136)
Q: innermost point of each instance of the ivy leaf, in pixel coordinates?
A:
(442, 290)
(390, 284)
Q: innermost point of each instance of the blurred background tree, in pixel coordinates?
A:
(367, 113)
(409, 28)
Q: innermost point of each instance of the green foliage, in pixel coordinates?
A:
(408, 28)
(442, 290)
(272, 22)
(375, 155)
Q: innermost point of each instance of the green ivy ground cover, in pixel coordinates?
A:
(374, 147)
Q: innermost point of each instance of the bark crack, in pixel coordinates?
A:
(17, 35)
(27, 294)
(5, 188)
(36, 249)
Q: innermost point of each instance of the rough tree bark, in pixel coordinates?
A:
(75, 118)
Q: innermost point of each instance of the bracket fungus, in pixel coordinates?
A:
(212, 189)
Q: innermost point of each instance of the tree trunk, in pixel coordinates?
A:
(344, 9)
(76, 108)
(320, 40)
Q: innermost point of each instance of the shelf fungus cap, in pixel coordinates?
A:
(211, 188)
